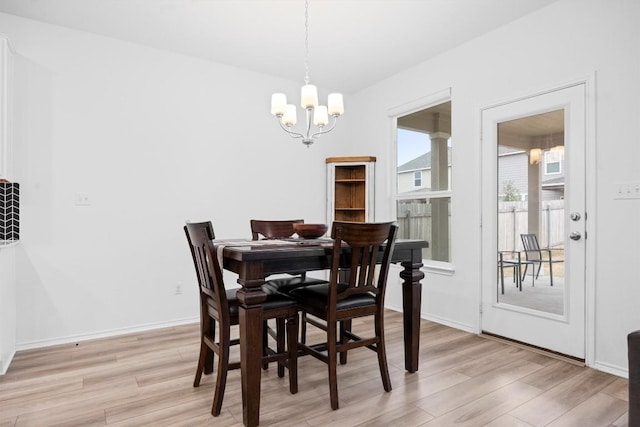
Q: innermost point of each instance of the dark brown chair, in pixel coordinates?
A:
(220, 305)
(533, 254)
(273, 229)
(361, 294)
(281, 229)
(633, 350)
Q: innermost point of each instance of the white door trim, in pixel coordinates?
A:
(589, 82)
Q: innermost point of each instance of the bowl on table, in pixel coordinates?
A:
(310, 231)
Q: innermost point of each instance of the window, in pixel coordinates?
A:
(417, 179)
(553, 161)
(424, 180)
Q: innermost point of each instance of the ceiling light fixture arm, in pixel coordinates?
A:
(307, 137)
(324, 129)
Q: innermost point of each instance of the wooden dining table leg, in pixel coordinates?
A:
(411, 298)
(250, 317)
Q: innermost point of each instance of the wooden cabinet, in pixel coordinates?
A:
(350, 189)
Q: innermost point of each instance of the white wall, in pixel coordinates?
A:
(153, 138)
(568, 40)
(8, 307)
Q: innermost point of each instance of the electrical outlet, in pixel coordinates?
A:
(82, 199)
(627, 190)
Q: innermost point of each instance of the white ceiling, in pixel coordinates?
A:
(352, 43)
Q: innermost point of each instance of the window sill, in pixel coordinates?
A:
(437, 267)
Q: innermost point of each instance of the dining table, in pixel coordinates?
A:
(254, 261)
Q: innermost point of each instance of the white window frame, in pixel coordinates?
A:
(547, 154)
(417, 177)
(431, 266)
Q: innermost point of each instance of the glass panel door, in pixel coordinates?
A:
(533, 220)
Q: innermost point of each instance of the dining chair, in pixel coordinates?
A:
(282, 229)
(633, 393)
(220, 306)
(533, 254)
(361, 294)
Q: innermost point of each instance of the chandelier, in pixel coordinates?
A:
(286, 113)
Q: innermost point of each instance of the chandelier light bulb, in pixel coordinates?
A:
(309, 96)
(278, 104)
(336, 105)
(290, 115)
(320, 116)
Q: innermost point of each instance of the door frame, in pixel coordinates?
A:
(589, 82)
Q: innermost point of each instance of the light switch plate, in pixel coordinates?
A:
(627, 190)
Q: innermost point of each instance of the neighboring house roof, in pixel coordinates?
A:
(420, 190)
(504, 150)
(554, 182)
(421, 162)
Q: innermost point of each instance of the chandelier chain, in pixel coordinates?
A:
(306, 41)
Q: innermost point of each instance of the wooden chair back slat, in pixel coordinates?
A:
(208, 271)
(369, 256)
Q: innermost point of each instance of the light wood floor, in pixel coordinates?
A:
(464, 380)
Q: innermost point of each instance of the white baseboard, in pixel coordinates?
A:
(611, 369)
(452, 324)
(104, 334)
(4, 364)
(436, 319)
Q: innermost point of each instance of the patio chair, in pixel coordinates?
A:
(534, 254)
(509, 259)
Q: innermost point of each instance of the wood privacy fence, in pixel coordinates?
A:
(512, 221)
(414, 220)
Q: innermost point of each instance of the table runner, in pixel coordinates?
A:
(221, 244)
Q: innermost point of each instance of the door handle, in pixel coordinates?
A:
(575, 235)
(575, 216)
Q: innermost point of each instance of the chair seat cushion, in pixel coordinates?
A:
(316, 297)
(274, 300)
(278, 300)
(232, 300)
(287, 284)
